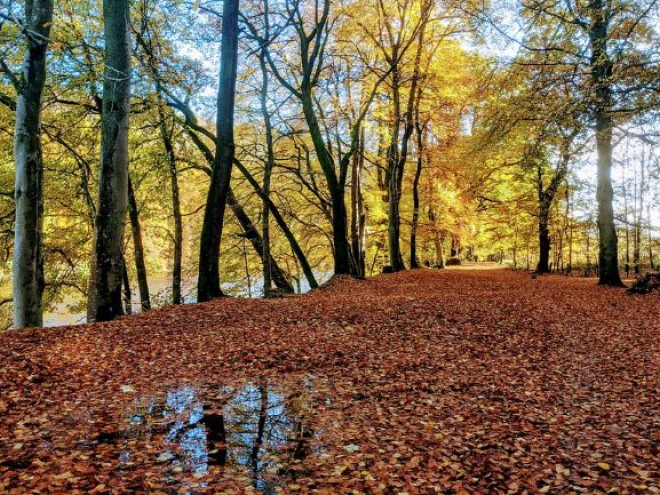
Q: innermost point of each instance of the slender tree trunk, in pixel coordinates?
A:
(601, 70)
(252, 235)
(138, 248)
(398, 153)
(638, 221)
(268, 170)
(295, 246)
(208, 284)
(570, 228)
(28, 276)
(177, 297)
(650, 239)
(414, 263)
(625, 218)
(357, 210)
(105, 285)
(336, 187)
(393, 184)
(362, 210)
(126, 284)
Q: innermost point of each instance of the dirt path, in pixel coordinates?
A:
(458, 382)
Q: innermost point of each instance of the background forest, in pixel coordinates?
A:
(359, 136)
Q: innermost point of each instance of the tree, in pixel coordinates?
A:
(309, 41)
(104, 301)
(602, 48)
(395, 42)
(28, 257)
(208, 284)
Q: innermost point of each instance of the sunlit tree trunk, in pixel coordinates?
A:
(601, 71)
(28, 275)
(208, 284)
(106, 279)
(639, 218)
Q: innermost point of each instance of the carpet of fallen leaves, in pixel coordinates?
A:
(457, 382)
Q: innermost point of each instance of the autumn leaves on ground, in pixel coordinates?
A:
(424, 382)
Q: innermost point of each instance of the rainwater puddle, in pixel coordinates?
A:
(258, 433)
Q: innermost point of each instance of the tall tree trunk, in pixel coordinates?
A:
(362, 212)
(570, 227)
(639, 219)
(177, 297)
(652, 265)
(105, 285)
(601, 71)
(398, 153)
(28, 276)
(336, 187)
(138, 248)
(208, 284)
(393, 184)
(268, 170)
(414, 262)
(358, 214)
(625, 219)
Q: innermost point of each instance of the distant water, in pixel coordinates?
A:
(71, 311)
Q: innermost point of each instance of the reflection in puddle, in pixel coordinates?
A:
(258, 431)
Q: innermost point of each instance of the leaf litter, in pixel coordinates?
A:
(422, 382)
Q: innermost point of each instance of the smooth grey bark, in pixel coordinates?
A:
(601, 72)
(208, 283)
(138, 248)
(104, 302)
(28, 275)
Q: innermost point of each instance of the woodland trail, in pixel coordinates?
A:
(456, 382)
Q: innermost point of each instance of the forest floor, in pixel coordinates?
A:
(456, 382)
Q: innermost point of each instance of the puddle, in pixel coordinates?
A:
(256, 432)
